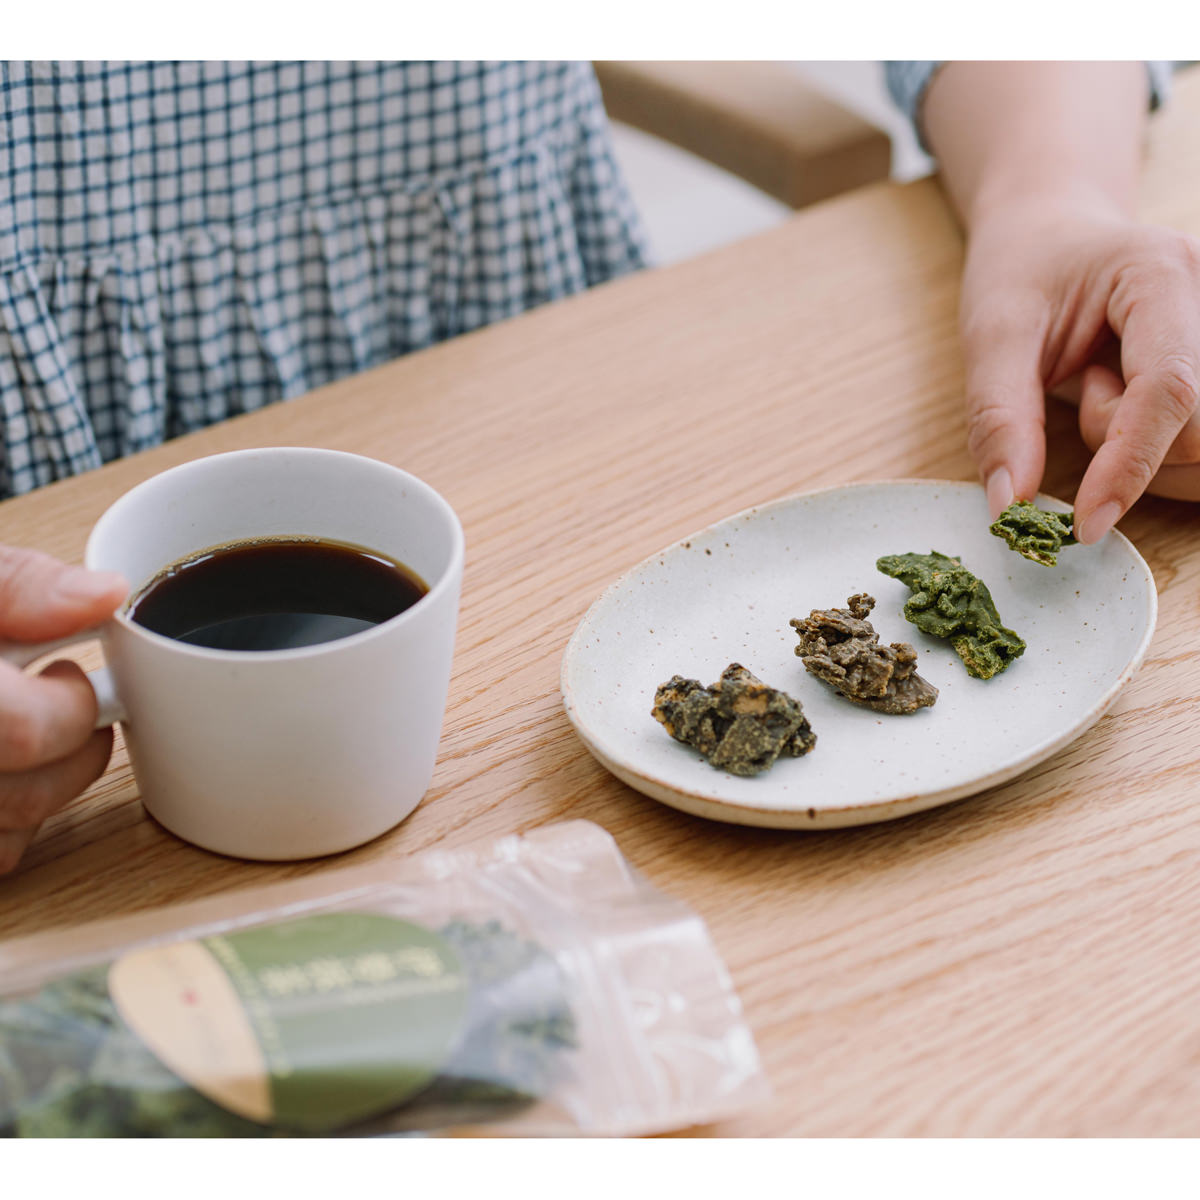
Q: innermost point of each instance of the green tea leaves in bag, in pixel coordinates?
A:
(307, 1026)
(534, 985)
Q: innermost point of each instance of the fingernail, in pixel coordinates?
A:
(999, 491)
(1099, 523)
(78, 583)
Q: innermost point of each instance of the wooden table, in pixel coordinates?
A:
(1024, 962)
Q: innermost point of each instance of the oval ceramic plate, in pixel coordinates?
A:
(726, 595)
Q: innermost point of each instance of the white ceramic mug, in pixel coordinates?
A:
(280, 754)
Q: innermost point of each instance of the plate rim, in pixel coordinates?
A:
(733, 811)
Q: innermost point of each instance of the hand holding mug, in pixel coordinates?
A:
(273, 751)
(49, 751)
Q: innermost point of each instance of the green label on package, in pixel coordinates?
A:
(309, 1024)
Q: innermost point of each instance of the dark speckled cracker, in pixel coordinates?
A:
(841, 648)
(739, 723)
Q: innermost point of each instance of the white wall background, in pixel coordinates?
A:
(689, 206)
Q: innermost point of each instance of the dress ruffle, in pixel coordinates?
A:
(162, 332)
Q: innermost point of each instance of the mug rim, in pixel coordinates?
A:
(446, 580)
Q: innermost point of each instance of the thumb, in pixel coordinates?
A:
(42, 598)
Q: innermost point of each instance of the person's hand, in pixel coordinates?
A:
(1088, 305)
(48, 750)
(1041, 162)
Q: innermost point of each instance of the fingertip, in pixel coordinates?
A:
(95, 757)
(90, 595)
(42, 598)
(1006, 485)
(13, 845)
(1000, 492)
(80, 585)
(1090, 528)
(66, 703)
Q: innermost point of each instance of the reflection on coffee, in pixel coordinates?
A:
(275, 594)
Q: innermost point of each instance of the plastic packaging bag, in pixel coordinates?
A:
(536, 986)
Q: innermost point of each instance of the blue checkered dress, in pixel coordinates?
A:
(180, 242)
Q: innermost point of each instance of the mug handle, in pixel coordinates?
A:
(109, 709)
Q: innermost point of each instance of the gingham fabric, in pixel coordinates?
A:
(907, 82)
(180, 242)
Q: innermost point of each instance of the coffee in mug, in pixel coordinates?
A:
(275, 594)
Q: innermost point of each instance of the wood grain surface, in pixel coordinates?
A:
(1020, 963)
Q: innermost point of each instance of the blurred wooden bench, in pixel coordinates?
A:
(760, 121)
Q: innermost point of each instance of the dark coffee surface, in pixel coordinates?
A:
(276, 594)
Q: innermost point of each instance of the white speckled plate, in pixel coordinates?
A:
(726, 594)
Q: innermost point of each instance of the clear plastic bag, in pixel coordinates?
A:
(534, 986)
